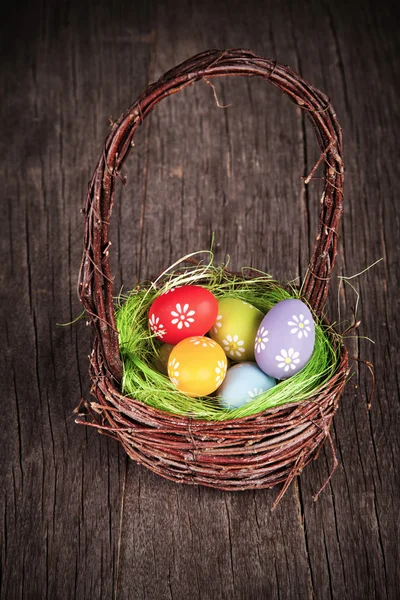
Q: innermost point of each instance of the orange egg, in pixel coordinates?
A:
(197, 366)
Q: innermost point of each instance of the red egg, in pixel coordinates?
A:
(183, 312)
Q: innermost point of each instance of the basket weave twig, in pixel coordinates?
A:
(258, 451)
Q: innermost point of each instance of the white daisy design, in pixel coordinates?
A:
(254, 393)
(173, 371)
(205, 342)
(183, 316)
(300, 326)
(170, 290)
(233, 346)
(288, 359)
(221, 372)
(217, 324)
(248, 303)
(261, 340)
(157, 327)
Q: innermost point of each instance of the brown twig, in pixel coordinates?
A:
(215, 95)
(370, 368)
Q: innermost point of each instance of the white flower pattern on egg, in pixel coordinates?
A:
(217, 324)
(233, 346)
(173, 371)
(247, 303)
(254, 393)
(300, 326)
(288, 359)
(261, 339)
(157, 327)
(205, 342)
(183, 316)
(221, 372)
(170, 290)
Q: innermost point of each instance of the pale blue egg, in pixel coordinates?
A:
(243, 383)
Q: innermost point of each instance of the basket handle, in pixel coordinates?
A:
(95, 280)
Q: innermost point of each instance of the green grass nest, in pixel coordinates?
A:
(139, 347)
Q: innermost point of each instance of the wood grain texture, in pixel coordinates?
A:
(79, 519)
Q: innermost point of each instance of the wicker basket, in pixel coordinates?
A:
(258, 451)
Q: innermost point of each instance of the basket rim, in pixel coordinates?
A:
(99, 375)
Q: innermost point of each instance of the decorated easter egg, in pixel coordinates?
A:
(243, 383)
(285, 339)
(197, 366)
(182, 312)
(235, 328)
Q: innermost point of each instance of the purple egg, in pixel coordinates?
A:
(285, 339)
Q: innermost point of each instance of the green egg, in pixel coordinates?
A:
(236, 327)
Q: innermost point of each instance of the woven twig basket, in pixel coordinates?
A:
(258, 451)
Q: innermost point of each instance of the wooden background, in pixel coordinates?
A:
(79, 520)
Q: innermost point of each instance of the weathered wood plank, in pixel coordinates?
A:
(63, 486)
(362, 556)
